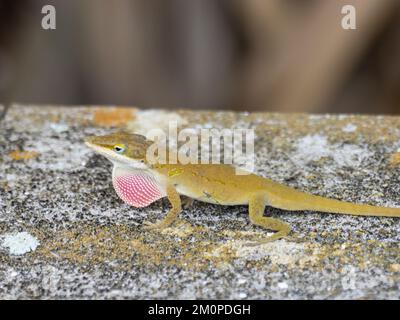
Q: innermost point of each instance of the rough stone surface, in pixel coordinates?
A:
(88, 244)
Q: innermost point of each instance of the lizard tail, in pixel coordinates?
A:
(303, 201)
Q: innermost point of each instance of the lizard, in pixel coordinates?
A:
(140, 183)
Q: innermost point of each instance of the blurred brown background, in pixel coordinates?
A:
(280, 55)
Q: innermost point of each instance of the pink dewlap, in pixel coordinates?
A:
(137, 189)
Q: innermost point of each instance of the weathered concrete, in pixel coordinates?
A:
(65, 234)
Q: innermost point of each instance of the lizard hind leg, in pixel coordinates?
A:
(256, 213)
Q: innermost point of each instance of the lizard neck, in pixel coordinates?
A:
(138, 188)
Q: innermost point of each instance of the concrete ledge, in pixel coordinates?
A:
(65, 234)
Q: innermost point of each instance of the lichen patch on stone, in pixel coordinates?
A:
(349, 128)
(19, 155)
(394, 159)
(20, 243)
(315, 147)
(282, 252)
(147, 120)
(113, 117)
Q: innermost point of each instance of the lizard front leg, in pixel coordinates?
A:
(175, 200)
(256, 212)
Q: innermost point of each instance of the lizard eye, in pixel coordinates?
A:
(119, 148)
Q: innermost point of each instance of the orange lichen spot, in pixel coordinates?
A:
(55, 118)
(395, 159)
(395, 267)
(113, 117)
(23, 155)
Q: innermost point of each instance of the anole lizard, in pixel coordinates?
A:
(139, 183)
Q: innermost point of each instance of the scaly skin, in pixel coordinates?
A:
(140, 183)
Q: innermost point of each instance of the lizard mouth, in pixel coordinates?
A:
(96, 147)
(116, 159)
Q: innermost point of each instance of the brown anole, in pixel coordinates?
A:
(140, 183)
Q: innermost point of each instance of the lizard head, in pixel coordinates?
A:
(126, 149)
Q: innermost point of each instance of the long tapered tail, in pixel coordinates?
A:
(297, 200)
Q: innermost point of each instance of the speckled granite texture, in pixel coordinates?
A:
(64, 233)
